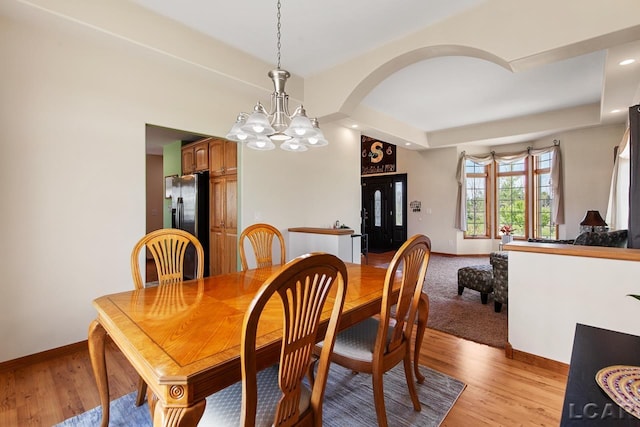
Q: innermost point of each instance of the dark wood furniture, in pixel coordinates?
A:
(585, 403)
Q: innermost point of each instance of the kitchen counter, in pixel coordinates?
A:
(341, 242)
(332, 231)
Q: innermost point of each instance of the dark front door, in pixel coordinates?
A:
(384, 216)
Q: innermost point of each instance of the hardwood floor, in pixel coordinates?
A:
(499, 392)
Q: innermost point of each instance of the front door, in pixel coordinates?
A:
(384, 216)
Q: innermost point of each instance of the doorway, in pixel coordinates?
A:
(384, 213)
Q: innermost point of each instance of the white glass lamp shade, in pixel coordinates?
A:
(236, 133)
(260, 142)
(293, 144)
(301, 126)
(258, 123)
(317, 139)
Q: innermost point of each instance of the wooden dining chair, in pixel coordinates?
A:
(379, 343)
(168, 247)
(261, 237)
(277, 395)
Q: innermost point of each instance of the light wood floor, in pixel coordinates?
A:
(499, 392)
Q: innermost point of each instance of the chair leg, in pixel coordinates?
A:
(378, 398)
(483, 297)
(142, 391)
(460, 290)
(497, 306)
(412, 386)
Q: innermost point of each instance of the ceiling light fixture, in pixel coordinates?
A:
(260, 129)
(627, 61)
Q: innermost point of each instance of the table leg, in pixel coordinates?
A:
(177, 417)
(97, 336)
(423, 314)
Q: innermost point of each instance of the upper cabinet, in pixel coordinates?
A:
(195, 156)
(223, 157)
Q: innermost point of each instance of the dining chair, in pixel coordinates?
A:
(277, 395)
(261, 237)
(168, 247)
(379, 343)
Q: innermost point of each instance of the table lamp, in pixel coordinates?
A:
(593, 222)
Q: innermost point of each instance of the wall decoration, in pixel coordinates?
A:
(415, 206)
(377, 156)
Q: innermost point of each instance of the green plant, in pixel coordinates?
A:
(635, 296)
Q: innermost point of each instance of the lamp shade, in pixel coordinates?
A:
(593, 219)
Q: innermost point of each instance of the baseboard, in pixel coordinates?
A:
(534, 360)
(459, 255)
(43, 356)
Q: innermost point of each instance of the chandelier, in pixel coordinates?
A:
(260, 129)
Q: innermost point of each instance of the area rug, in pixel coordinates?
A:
(462, 315)
(348, 402)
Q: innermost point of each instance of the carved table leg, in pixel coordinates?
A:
(423, 314)
(174, 417)
(97, 336)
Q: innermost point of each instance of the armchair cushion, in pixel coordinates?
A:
(616, 239)
(500, 262)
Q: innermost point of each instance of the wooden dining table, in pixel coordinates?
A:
(184, 338)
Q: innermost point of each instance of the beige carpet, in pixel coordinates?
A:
(462, 315)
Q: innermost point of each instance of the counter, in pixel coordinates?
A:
(341, 242)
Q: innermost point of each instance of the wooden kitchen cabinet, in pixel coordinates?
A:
(223, 157)
(224, 226)
(195, 156)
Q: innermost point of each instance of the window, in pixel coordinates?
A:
(399, 203)
(377, 208)
(543, 227)
(521, 194)
(476, 177)
(511, 197)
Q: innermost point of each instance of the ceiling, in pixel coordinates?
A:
(431, 95)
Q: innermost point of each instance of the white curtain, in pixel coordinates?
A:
(618, 209)
(557, 209)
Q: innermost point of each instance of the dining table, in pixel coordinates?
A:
(184, 338)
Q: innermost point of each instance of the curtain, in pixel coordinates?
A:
(557, 209)
(618, 208)
(634, 177)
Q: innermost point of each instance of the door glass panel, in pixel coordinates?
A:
(377, 209)
(399, 204)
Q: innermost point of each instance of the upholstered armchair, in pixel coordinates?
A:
(500, 262)
(616, 239)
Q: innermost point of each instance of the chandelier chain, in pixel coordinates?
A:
(279, 34)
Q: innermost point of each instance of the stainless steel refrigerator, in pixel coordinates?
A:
(190, 212)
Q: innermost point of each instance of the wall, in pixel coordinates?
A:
(74, 104)
(171, 165)
(155, 193)
(311, 189)
(549, 294)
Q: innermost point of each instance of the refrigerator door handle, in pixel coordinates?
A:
(180, 213)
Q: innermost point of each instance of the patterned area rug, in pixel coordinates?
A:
(348, 402)
(462, 315)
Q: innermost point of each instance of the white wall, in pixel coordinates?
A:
(311, 189)
(73, 109)
(549, 294)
